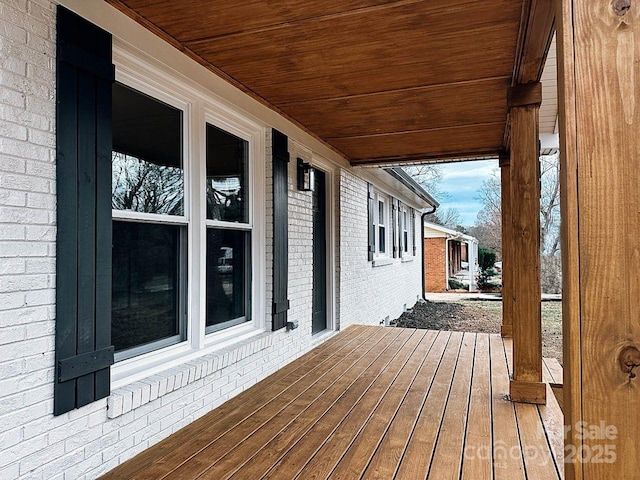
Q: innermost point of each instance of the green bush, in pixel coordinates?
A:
(454, 284)
(486, 262)
(486, 258)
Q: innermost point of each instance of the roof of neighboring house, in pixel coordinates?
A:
(449, 233)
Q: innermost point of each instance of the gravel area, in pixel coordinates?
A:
(482, 316)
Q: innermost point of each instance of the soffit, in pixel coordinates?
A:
(378, 80)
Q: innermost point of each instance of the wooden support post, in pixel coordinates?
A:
(524, 105)
(507, 247)
(599, 86)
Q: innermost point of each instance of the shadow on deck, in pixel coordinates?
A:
(373, 402)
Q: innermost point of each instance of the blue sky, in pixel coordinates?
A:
(462, 182)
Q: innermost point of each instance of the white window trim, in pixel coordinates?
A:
(405, 224)
(198, 109)
(379, 197)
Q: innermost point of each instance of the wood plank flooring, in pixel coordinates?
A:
(372, 402)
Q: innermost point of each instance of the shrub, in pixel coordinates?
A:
(454, 284)
(486, 262)
(486, 258)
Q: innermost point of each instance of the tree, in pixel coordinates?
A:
(143, 186)
(429, 178)
(550, 262)
(488, 227)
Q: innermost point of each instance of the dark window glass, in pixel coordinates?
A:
(226, 176)
(146, 295)
(381, 240)
(227, 277)
(147, 174)
(406, 241)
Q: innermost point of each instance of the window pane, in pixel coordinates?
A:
(381, 239)
(227, 157)
(147, 174)
(227, 277)
(380, 212)
(146, 278)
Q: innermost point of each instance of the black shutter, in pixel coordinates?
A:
(280, 153)
(394, 226)
(83, 171)
(372, 228)
(413, 231)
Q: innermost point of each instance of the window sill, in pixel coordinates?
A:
(382, 261)
(407, 259)
(129, 397)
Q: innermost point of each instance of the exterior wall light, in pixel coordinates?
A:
(306, 177)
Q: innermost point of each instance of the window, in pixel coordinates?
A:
(405, 233)
(188, 216)
(382, 237)
(149, 223)
(228, 246)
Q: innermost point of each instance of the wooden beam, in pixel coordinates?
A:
(527, 94)
(527, 385)
(507, 246)
(599, 118)
(454, 156)
(537, 27)
(572, 355)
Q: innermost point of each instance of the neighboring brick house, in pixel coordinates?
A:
(211, 260)
(447, 253)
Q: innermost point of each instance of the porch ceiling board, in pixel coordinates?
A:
(374, 79)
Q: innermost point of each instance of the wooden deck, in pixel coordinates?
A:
(373, 402)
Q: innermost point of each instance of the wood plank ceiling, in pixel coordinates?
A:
(378, 80)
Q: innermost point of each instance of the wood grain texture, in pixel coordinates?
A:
(525, 221)
(478, 445)
(346, 70)
(507, 246)
(569, 231)
(422, 108)
(507, 464)
(606, 146)
(373, 402)
(442, 141)
(536, 33)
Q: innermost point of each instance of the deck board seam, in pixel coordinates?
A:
(239, 467)
(424, 401)
(453, 374)
(466, 423)
(366, 422)
(546, 436)
(339, 424)
(376, 342)
(407, 390)
(350, 334)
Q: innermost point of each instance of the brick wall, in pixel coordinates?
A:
(435, 265)
(89, 441)
(369, 294)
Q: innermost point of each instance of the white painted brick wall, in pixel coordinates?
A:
(369, 294)
(86, 443)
